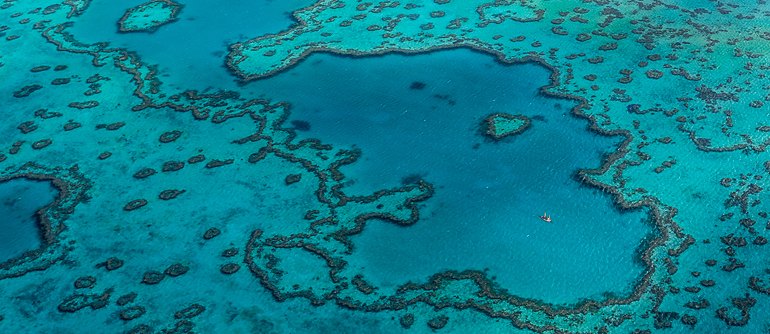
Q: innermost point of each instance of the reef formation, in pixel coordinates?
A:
(685, 86)
(149, 16)
(499, 126)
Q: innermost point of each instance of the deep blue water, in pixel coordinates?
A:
(489, 195)
(190, 52)
(19, 200)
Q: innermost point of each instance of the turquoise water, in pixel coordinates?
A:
(20, 200)
(316, 167)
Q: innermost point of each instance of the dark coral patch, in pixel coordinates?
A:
(407, 320)
(48, 10)
(135, 204)
(16, 147)
(689, 320)
(170, 136)
(71, 125)
(214, 163)
(255, 157)
(140, 329)
(45, 114)
(189, 312)
(60, 81)
(211, 233)
(144, 172)
(182, 326)
(153, 277)
(664, 319)
(111, 126)
(230, 252)
(132, 313)
(27, 127)
(196, 159)
(311, 214)
(40, 68)
(111, 264)
(41, 144)
(743, 305)
(85, 282)
(176, 269)
(96, 78)
(438, 322)
(229, 268)
(170, 194)
(78, 302)
(292, 178)
(172, 166)
(125, 299)
(26, 90)
(84, 105)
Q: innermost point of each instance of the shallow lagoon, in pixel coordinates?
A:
(489, 194)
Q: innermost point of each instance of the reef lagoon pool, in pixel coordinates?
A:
(20, 200)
